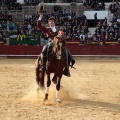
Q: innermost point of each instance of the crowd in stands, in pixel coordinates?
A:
(108, 31)
(12, 4)
(31, 2)
(95, 4)
(113, 7)
(75, 27)
(4, 16)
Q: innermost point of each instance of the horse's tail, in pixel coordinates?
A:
(37, 62)
(39, 75)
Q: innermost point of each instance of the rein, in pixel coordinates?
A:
(58, 51)
(55, 56)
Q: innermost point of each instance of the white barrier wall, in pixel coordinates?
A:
(100, 14)
(20, 1)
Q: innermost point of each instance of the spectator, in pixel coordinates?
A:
(113, 7)
(95, 19)
(89, 40)
(116, 37)
(111, 36)
(55, 8)
(82, 38)
(29, 27)
(106, 36)
(84, 2)
(10, 17)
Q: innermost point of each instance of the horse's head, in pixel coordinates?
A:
(59, 45)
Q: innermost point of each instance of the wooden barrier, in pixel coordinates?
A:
(21, 50)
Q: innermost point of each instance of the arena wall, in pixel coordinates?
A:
(76, 50)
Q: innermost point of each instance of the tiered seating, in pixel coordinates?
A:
(29, 10)
(19, 16)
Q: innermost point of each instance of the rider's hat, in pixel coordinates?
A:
(51, 18)
(40, 7)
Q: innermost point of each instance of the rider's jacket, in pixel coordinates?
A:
(47, 30)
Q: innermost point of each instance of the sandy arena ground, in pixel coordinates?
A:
(91, 93)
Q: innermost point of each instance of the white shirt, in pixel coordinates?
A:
(53, 29)
(82, 37)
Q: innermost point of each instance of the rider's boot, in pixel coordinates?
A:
(43, 63)
(66, 71)
(43, 58)
(70, 58)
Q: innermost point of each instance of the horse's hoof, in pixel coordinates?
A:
(46, 97)
(59, 101)
(38, 89)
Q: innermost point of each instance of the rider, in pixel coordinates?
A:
(51, 32)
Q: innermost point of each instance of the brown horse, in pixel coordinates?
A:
(55, 64)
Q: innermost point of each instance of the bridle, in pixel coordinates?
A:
(59, 50)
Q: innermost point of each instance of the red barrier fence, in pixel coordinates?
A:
(9, 50)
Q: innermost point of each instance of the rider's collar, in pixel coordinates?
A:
(53, 29)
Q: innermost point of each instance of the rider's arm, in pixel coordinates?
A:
(39, 24)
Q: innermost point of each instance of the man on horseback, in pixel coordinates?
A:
(51, 32)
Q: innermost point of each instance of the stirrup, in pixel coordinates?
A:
(66, 72)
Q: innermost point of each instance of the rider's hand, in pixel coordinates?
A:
(41, 15)
(41, 9)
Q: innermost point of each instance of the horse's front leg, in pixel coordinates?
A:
(47, 87)
(58, 89)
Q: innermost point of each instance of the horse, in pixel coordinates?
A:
(55, 64)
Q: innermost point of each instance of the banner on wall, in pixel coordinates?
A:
(24, 39)
(13, 36)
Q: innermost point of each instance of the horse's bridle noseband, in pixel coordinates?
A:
(56, 53)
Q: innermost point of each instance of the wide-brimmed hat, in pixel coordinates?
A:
(40, 7)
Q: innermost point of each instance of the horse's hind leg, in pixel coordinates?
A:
(47, 87)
